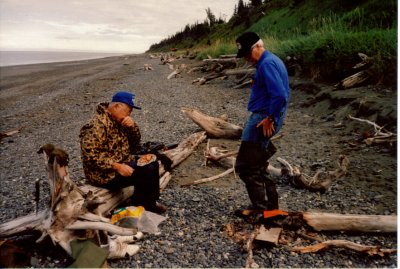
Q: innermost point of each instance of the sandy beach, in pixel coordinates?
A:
(50, 103)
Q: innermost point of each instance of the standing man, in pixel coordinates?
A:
(108, 144)
(268, 102)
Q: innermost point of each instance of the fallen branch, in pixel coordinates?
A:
(10, 133)
(244, 84)
(250, 263)
(365, 61)
(208, 179)
(203, 80)
(370, 250)
(177, 71)
(320, 221)
(235, 72)
(224, 56)
(214, 127)
(320, 182)
(185, 148)
(108, 227)
(379, 136)
(222, 60)
(174, 74)
(147, 67)
(353, 80)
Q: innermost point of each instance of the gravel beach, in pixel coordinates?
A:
(51, 102)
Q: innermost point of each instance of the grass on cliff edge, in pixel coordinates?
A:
(331, 40)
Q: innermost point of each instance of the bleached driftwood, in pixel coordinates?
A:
(235, 72)
(203, 80)
(154, 56)
(185, 148)
(370, 250)
(214, 127)
(320, 182)
(350, 222)
(362, 75)
(224, 56)
(147, 67)
(244, 84)
(222, 60)
(250, 263)
(208, 179)
(365, 61)
(224, 74)
(70, 203)
(194, 69)
(353, 80)
(379, 136)
(9, 133)
(177, 71)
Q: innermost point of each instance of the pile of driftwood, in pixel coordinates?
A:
(379, 135)
(84, 211)
(222, 68)
(298, 221)
(228, 65)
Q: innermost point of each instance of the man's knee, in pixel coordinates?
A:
(150, 169)
(250, 175)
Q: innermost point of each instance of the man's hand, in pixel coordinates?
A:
(128, 122)
(268, 126)
(123, 169)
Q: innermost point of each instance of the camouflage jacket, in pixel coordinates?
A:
(103, 142)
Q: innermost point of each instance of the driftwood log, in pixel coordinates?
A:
(214, 127)
(218, 128)
(320, 182)
(363, 73)
(243, 74)
(9, 133)
(350, 222)
(380, 136)
(74, 209)
(370, 250)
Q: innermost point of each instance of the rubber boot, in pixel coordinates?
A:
(271, 192)
(255, 186)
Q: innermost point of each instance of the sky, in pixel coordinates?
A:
(99, 25)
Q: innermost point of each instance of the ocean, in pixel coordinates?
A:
(8, 58)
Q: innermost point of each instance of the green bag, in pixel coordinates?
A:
(87, 254)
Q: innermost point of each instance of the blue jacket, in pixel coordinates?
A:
(270, 91)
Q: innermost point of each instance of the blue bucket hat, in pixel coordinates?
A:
(126, 98)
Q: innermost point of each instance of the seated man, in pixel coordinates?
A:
(108, 144)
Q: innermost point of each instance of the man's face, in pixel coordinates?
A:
(121, 111)
(250, 56)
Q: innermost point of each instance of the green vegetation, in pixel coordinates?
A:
(321, 33)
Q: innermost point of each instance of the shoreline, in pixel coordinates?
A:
(19, 58)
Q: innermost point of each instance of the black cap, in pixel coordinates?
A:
(245, 42)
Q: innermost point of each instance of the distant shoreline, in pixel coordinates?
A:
(17, 58)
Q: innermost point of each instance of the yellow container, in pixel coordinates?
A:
(126, 212)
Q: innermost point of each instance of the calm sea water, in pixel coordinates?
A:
(8, 58)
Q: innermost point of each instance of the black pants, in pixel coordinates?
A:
(251, 164)
(146, 181)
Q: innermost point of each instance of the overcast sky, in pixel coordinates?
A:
(99, 25)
